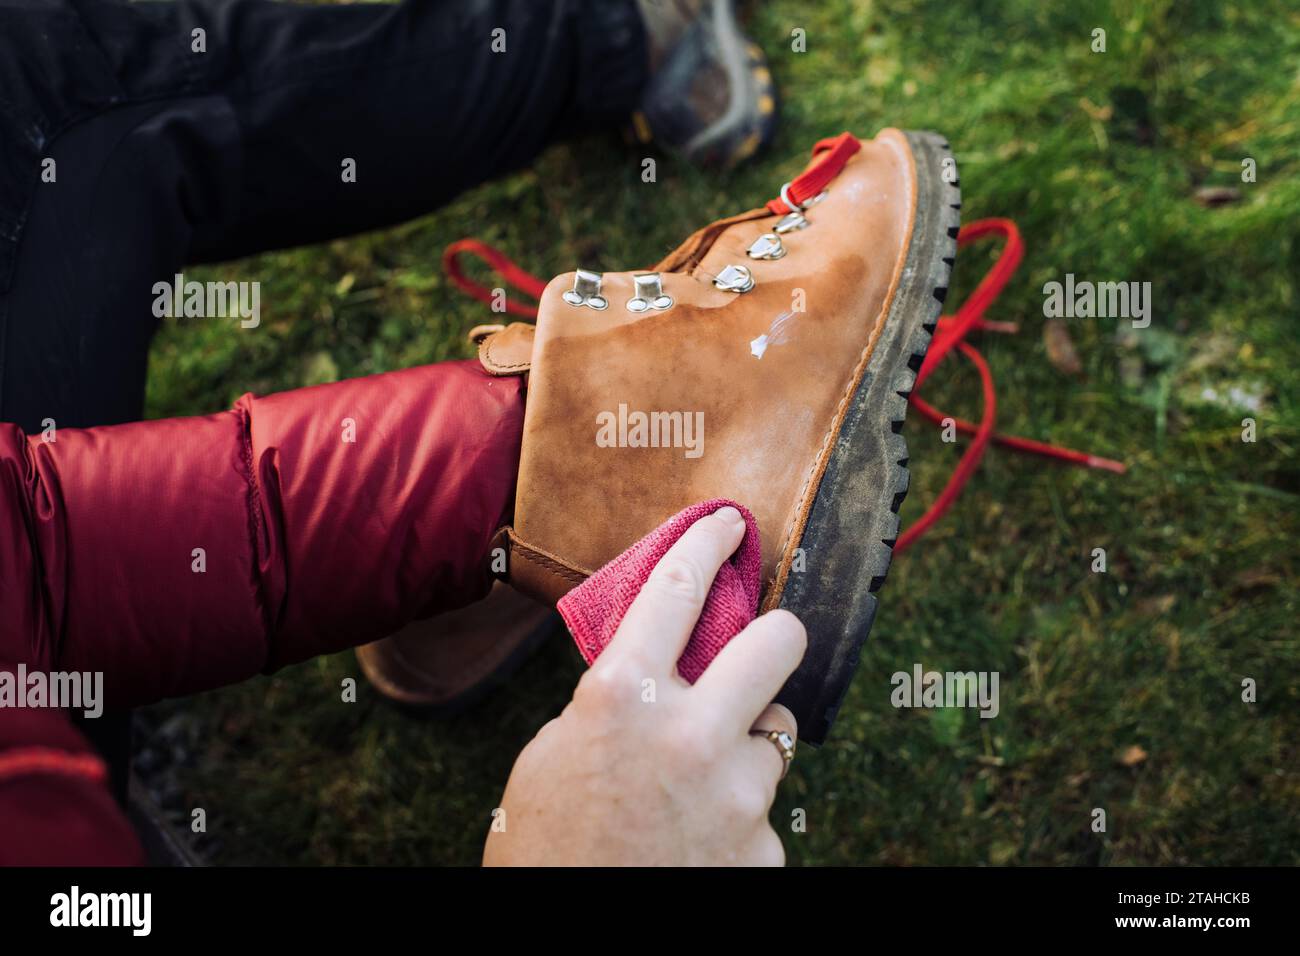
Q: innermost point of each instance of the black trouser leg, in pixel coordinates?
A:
(126, 151)
(416, 97)
(166, 155)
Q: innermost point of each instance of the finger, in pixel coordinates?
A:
(765, 849)
(660, 620)
(750, 670)
(777, 717)
(768, 754)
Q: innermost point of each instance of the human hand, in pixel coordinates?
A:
(641, 768)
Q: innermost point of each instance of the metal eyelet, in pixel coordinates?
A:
(816, 199)
(791, 222)
(795, 219)
(734, 279)
(785, 198)
(800, 207)
(649, 293)
(766, 246)
(586, 291)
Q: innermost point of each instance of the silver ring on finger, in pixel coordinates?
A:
(784, 744)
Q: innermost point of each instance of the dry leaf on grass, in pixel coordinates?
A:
(1133, 756)
(1060, 348)
(1211, 196)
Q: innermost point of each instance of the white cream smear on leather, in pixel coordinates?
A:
(778, 333)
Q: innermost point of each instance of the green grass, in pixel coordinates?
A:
(1097, 157)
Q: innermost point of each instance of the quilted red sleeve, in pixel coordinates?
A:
(183, 554)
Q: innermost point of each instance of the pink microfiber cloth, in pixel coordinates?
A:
(594, 609)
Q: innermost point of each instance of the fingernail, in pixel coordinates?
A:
(730, 515)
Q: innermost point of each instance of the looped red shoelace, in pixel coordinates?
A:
(521, 279)
(829, 157)
(951, 333)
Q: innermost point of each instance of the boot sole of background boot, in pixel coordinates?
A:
(848, 541)
(414, 705)
(736, 67)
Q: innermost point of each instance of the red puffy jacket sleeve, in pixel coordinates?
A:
(55, 807)
(184, 554)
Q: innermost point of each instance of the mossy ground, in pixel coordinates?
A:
(1098, 157)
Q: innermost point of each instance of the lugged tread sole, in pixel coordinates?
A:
(849, 539)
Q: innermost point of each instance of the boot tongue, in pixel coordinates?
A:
(829, 157)
(688, 255)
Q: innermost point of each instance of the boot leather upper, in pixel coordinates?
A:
(769, 421)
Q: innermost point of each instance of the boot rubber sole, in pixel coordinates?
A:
(849, 538)
(403, 689)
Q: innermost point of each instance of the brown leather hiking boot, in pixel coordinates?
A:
(767, 359)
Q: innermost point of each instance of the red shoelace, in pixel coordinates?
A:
(829, 157)
(951, 333)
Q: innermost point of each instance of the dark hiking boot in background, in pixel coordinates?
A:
(710, 98)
